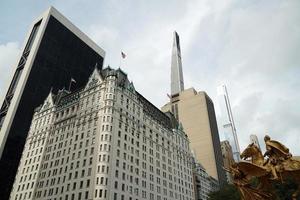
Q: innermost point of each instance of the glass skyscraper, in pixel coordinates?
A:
(54, 52)
(227, 125)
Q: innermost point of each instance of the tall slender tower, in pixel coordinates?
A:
(195, 111)
(228, 125)
(177, 84)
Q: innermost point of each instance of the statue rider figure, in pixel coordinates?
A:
(276, 153)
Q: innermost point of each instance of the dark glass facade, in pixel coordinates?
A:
(60, 56)
(18, 73)
(216, 141)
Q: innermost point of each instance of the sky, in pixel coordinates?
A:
(251, 46)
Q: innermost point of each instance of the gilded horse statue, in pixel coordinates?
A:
(278, 166)
(242, 173)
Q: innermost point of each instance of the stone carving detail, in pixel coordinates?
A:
(93, 82)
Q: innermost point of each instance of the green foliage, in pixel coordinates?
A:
(285, 190)
(228, 192)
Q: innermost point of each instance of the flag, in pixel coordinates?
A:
(123, 54)
(72, 81)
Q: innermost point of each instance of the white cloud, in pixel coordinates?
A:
(8, 56)
(147, 41)
(258, 61)
(251, 46)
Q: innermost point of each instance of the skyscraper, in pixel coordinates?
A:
(177, 84)
(54, 52)
(227, 125)
(254, 140)
(104, 141)
(195, 111)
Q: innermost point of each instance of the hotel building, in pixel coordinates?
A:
(104, 141)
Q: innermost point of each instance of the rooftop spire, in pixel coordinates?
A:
(177, 84)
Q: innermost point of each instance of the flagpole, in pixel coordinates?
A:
(70, 85)
(72, 80)
(120, 61)
(123, 55)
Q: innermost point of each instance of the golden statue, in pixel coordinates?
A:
(277, 153)
(242, 173)
(277, 167)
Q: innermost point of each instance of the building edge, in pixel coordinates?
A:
(43, 19)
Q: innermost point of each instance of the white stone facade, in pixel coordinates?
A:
(203, 183)
(104, 141)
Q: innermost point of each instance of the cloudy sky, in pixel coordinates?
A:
(251, 46)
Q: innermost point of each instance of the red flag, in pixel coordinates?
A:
(123, 54)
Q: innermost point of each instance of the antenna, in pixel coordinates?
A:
(231, 124)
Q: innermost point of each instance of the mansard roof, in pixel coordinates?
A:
(64, 97)
(68, 98)
(155, 113)
(122, 79)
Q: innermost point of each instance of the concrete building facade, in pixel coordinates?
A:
(104, 141)
(195, 111)
(203, 183)
(227, 157)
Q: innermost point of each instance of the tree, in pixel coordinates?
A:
(228, 192)
(286, 189)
